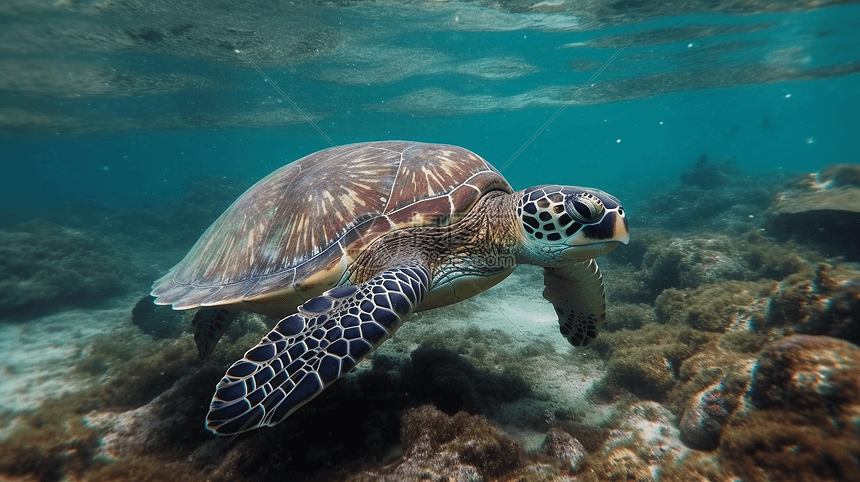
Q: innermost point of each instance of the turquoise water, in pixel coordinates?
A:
(769, 91)
(127, 127)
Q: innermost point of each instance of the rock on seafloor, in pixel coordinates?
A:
(704, 418)
(806, 421)
(644, 439)
(826, 302)
(811, 373)
(560, 445)
(821, 208)
(793, 413)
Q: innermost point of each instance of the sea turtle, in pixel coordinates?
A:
(346, 243)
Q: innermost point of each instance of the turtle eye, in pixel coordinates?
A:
(586, 208)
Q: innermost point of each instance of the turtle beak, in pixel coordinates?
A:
(622, 234)
(598, 239)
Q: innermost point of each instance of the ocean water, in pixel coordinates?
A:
(127, 127)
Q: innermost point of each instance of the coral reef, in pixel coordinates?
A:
(760, 292)
(148, 415)
(628, 315)
(785, 445)
(790, 412)
(811, 373)
(826, 302)
(644, 439)
(728, 408)
(462, 447)
(47, 449)
(806, 391)
(696, 260)
(645, 362)
(717, 307)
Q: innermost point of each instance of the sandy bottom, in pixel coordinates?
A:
(39, 356)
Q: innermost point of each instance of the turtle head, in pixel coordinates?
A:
(571, 222)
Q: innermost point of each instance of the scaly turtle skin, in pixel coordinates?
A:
(346, 243)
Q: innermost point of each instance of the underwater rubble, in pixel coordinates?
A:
(729, 353)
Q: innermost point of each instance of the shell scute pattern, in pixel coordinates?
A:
(285, 234)
(291, 235)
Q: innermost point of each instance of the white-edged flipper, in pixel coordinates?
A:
(309, 350)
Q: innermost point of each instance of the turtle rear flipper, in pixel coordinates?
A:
(576, 291)
(309, 350)
(209, 325)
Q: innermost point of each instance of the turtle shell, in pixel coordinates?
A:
(295, 233)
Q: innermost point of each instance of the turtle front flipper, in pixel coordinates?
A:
(309, 350)
(576, 291)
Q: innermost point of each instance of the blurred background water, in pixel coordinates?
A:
(123, 103)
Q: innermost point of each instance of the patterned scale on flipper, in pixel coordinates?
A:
(309, 350)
